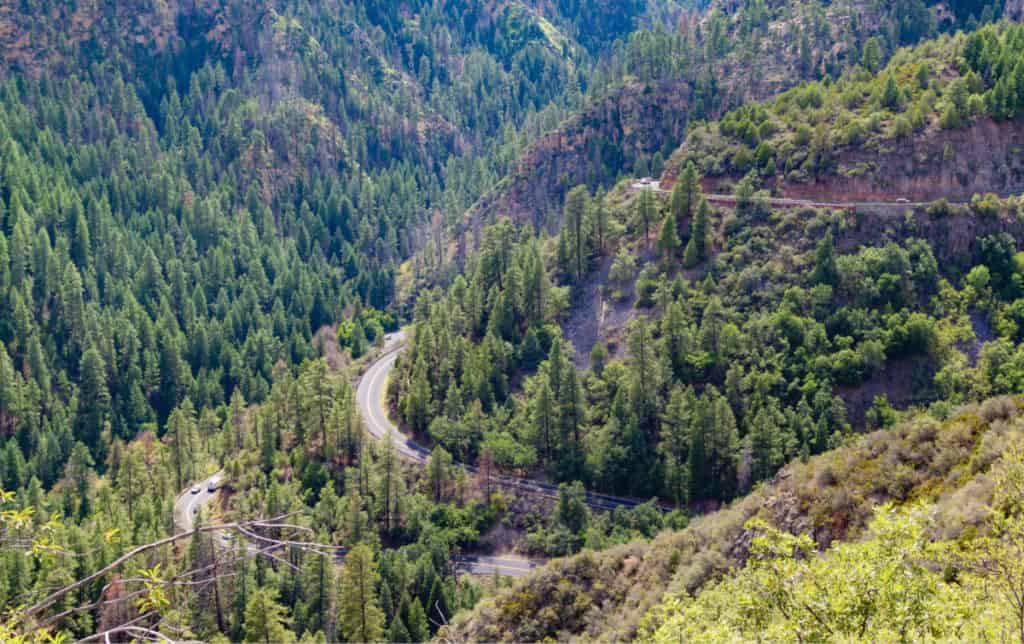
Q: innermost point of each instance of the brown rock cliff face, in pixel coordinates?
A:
(638, 118)
(633, 119)
(985, 157)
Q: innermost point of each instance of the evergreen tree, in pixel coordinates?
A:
(438, 474)
(265, 619)
(697, 248)
(415, 619)
(577, 225)
(668, 240)
(646, 211)
(318, 607)
(361, 618)
(825, 271)
(686, 194)
(94, 402)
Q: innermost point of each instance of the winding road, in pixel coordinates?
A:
(370, 397)
(188, 504)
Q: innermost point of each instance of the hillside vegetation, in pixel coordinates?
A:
(215, 215)
(940, 120)
(201, 205)
(661, 80)
(733, 575)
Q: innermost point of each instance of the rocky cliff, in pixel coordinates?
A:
(753, 57)
(984, 157)
(634, 119)
(954, 164)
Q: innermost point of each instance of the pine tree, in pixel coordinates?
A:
(668, 240)
(438, 475)
(544, 418)
(675, 442)
(181, 427)
(577, 227)
(5, 264)
(891, 95)
(391, 485)
(78, 472)
(825, 271)
(266, 620)
(418, 398)
(871, 56)
(316, 393)
(72, 310)
(686, 194)
(81, 245)
(360, 618)
(319, 596)
(721, 447)
(646, 211)
(397, 632)
(697, 247)
(94, 401)
(415, 619)
(571, 419)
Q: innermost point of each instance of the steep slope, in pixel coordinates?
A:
(706, 66)
(160, 150)
(938, 122)
(633, 121)
(604, 595)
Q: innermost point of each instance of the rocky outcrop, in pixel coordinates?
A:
(984, 157)
(634, 119)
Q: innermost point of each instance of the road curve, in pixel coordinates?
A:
(370, 399)
(370, 396)
(188, 504)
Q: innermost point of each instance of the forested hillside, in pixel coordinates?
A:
(759, 333)
(919, 525)
(185, 205)
(736, 51)
(216, 217)
(203, 207)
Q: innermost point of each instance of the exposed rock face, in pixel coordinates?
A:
(984, 157)
(637, 119)
(634, 119)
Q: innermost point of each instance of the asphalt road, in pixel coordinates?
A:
(784, 202)
(188, 504)
(370, 399)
